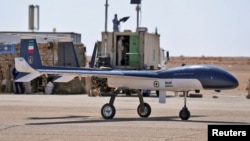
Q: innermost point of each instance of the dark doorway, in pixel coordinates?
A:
(67, 55)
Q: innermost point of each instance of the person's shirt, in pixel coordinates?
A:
(120, 44)
(14, 73)
(115, 25)
(8, 75)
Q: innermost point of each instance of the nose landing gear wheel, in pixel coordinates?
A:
(108, 111)
(144, 112)
(184, 113)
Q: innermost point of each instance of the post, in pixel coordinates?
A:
(32, 17)
(137, 12)
(106, 15)
(106, 26)
(37, 14)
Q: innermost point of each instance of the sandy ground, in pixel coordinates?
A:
(78, 118)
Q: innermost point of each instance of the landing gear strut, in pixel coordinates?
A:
(108, 110)
(184, 113)
(143, 109)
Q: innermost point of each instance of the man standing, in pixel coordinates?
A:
(8, 77)
(116, 24)
(120, 49)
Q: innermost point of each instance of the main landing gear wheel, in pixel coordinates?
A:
(108, 111)
(184, 113)
(144, 112)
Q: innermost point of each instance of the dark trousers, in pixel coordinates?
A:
(19, 88)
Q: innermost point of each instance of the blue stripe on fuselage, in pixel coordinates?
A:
(211, 77)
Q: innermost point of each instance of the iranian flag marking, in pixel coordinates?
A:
(31, 48)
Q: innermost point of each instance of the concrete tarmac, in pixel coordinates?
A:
(78, 118)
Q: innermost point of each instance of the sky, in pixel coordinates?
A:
(186, 27)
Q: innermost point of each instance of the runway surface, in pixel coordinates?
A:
(78, 118)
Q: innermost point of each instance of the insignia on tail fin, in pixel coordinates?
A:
(29, 51)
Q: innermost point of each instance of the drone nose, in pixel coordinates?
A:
(232, 82)
(227, 79)
(220, 79)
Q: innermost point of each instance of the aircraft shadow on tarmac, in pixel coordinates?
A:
(66, 117)
(86, 119)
